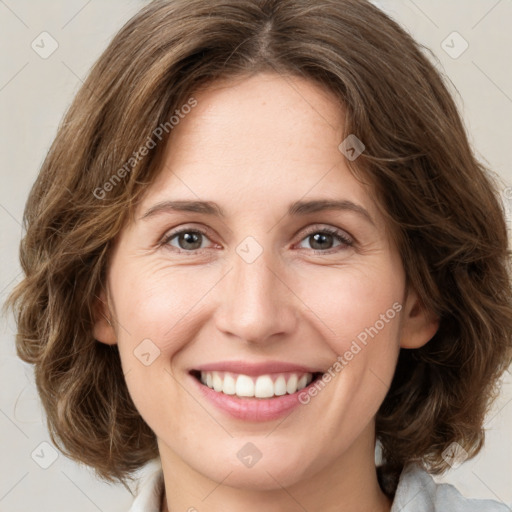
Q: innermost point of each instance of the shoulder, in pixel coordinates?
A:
(150, 489)
(418, 492)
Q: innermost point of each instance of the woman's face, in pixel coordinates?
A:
(260, 299)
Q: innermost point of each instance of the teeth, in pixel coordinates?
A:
(303, 382)
(280, 386)
(263, 386)
(244, 386)
(229, 385)
(291, 385)
(217, 382)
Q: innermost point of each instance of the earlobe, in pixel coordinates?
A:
(418, 325)
(103, 329)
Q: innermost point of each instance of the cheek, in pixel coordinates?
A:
(159, 303)
(359, 315)
(159, 312)
(364, 312)
(151, 331)
(354, 304)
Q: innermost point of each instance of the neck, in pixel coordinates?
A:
(348, 484)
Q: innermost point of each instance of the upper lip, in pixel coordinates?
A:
(249, 368)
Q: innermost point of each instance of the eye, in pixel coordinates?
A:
(186, 240)
(322, 240)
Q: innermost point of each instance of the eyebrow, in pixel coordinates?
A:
(298, 208)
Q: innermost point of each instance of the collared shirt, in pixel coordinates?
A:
(416, 492)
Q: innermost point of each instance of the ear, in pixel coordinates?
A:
(103, 329)
(418, 325)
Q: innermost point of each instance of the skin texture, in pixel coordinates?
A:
(254, 146)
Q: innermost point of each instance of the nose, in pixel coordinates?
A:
(257, 306)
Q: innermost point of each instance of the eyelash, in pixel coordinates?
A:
(339, 235)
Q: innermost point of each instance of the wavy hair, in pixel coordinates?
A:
(441, 204)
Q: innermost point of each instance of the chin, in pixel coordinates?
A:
(275, 464)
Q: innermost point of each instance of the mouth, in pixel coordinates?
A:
(262, 387)
(254, 391)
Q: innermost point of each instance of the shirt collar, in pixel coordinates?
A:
(417, 491)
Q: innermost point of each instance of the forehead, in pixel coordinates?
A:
(258, 141)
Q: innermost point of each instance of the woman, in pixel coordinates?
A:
(259, 244)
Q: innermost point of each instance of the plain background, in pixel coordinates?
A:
(34, 94)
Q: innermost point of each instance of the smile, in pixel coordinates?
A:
(262, 386)
(253, 392)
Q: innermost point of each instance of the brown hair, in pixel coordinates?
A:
(440, 202)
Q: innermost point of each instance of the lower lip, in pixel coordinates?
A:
(252, 409)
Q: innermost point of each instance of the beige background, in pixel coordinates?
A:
(34, 93)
